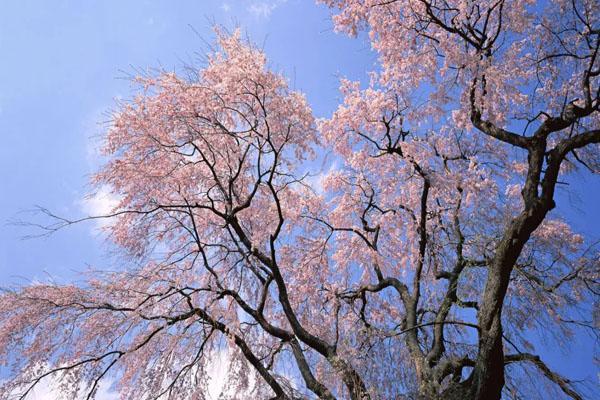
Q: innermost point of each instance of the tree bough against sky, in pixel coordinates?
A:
(419, 267)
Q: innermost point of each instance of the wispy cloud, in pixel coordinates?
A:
(264, 9)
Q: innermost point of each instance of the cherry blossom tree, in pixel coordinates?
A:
(421, 268)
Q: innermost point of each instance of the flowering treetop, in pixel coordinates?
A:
(412, 274)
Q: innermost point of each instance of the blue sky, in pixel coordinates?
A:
(60, 73)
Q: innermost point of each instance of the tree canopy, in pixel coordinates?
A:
(416, 267)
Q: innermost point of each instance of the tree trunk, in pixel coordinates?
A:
(487, 378)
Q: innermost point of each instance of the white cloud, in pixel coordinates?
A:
(226, 7)
(222, 382)
(317, 180)
(100, 203)
(263, 9)
(48, 389)
(218, 374)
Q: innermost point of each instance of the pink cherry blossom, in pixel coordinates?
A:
(420, 269)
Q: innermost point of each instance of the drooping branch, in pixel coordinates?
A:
(564, 384)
